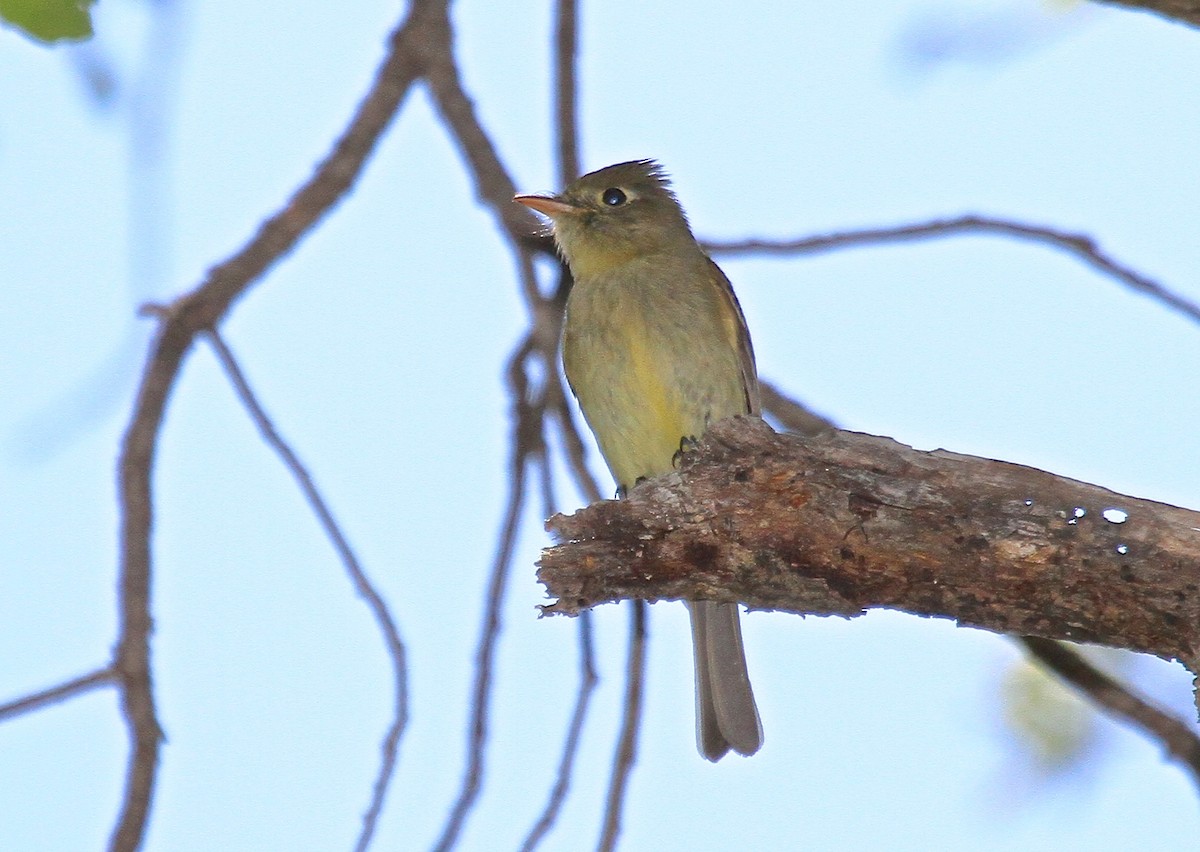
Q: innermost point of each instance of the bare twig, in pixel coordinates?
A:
(199, 310)
(527, 443)
(1176, 737)
(793, 416)
(547, 320)
(587, 686)
(631, 723)
(481, 694)
(55, 694)
(566, 46)
(1180, 741)
(493, 186)
(573, 445)
(546, 480)
(362, 584)
(587, 666)
(496, 189)
(1082, 246)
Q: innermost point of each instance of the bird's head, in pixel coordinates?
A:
(613, 215)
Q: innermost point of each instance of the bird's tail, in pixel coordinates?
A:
(726, 716)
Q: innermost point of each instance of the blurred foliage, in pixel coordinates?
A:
(987, 33)
(1055, 723)
(49, 21)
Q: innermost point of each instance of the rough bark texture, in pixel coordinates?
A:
(842, 523)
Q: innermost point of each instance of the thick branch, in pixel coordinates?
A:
(839, 524)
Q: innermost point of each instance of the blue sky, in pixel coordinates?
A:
(377, 347)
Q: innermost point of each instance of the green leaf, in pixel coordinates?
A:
(49, 21)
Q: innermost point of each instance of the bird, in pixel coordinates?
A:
(655, 349)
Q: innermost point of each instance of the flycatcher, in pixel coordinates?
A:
(655, 349)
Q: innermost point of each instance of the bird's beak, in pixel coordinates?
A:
(547, 205)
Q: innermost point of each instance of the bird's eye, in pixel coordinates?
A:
(613, 197)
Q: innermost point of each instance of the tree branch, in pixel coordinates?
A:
(55, 694)
(200, 309)
(1186, 11)
(1081, 246)
(631, 724)
(840, 524)
(363, 585)
(792, 415)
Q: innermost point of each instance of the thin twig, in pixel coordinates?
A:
(526, 443)
(566, 47)
(55, 694)
(197, 311)
(549, 318)
(631, 723)
(587, 665)
(556, 396)
(493, 186)
(545, 478)
(792, 415)
(1080, 245)
(1179, 740)
(575, 449)
(362, 583)
(485, 652)
(587, 685)
(566, 763)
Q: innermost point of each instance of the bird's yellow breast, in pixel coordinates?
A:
(649, 360)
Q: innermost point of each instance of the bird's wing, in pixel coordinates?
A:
(739, 337)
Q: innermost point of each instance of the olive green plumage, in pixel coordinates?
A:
(655, 348)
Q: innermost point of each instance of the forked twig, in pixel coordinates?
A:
(362, 584)
(197, 311)
(68, 689)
